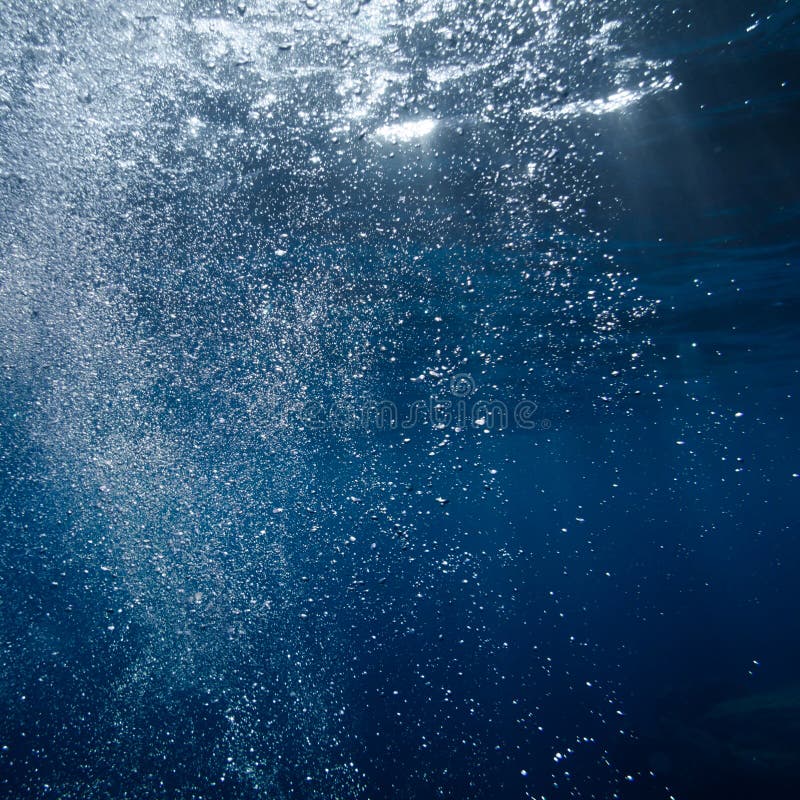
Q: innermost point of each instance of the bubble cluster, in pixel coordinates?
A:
(214, 214)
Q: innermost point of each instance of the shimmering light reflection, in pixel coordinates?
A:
(618, 101)
(407, 131)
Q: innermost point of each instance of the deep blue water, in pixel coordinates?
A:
(399, 400)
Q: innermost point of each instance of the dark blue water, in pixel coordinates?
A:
(399, 400)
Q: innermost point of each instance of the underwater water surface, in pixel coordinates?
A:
(398, 399)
